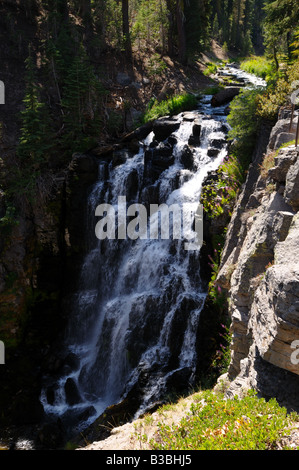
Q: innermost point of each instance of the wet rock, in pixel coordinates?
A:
(163, 127)
(211, 177)
(178, 381)
(224, 96)
(193, 141)
(119, 157)
(187, 158)
(224, 128)
(157, 158)
(132, 185)
(76, 416)
(213, 152)
(139, 133)
(172, 140)
(150, 195)
(196, 128)
(72, 361)
(50, 394)
(217, 143)
(190, 116)
(72, 394)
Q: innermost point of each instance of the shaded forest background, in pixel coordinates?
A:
(59, 60)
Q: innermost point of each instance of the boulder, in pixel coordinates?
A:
(283, 161)
(72, 394)
(119, 157)
(164, 127)
(190, 116)
(213, 152)
(282, 133)
(224, 96)
(291, 193)
(123, 79)
(187, 158)
(194, 138)
(217, 143)
(275, 309)
(132, 185)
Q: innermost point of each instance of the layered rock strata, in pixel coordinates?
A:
(260, 271)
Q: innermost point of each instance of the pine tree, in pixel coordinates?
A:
(82, 93)
(281, 19)
(36, 138)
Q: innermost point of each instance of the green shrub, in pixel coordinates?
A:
(211, 68)
(260, 66)
(277, 94)
(215, 423)
(244, 121)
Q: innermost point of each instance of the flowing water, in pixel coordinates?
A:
(134, 319)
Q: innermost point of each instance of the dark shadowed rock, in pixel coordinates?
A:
(225, 96)
(187, 158)
(163, 127)
(72, 394)
(213, 152)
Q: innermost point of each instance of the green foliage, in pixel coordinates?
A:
(150, 23)
(81, 101)
(36, 139)
(237, 24)
(222, 358)
(169, 107)
(260, 66)
(111, 14)
(244, 122)
(156, 65)
(295, 45)
(219, 197)
(9, 220)
(197, 14)
(281, 18)
(216, 294)
(278, 93)
(215, 423)
(211, 68)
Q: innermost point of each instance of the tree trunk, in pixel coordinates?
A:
(275, 57)
(85, 10)
(126, 29)
(170, 38)
(85, 13)
(181, 31)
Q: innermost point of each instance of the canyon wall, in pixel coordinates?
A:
(260, 272)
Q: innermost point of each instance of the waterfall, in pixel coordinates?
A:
(134, 318)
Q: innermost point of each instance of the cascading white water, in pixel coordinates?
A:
(139, 301)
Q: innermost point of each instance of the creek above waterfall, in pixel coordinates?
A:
(133, 322)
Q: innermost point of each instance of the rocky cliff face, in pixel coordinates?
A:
(260, 271)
